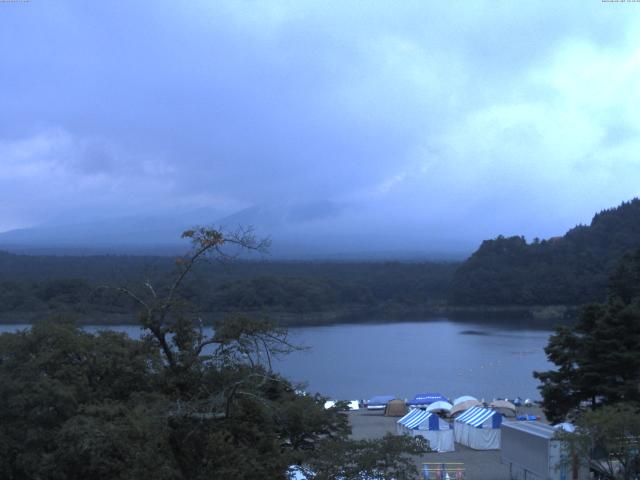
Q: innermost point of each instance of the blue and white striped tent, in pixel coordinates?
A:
(418, 418)
(478, 428)
(478, 416)
(435, 430)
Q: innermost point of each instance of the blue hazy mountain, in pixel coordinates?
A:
(304, 231)
(127, 234)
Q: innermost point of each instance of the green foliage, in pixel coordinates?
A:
(598, 359)
(77, 405)
(568, 270)
(174, 405)
(625, 281)
(385, 458)
(610, 435)
(46, 285)
(58, 384)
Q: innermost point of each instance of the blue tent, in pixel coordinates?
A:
(478, 428)
(422, 418)
(478, 416)
(379, 402)
(424, 399)
(429, 426)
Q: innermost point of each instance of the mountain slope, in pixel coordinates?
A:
(572, 269)
(130, 234)
(299, 231)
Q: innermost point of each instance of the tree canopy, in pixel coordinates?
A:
(177, 404)
(568, 270)
(610, 435)
(598, 359)
(290, 292)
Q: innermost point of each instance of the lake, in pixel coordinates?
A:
(358, 361)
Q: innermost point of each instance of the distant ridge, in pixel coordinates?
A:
(299, 231)
(568, 270)
(138, 234)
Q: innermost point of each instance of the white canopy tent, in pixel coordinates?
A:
(566, 426)
(478, 428)
(440, 406)
(459, 408)
(329, 404)
(428, 425)
(353, 404)
(504, 407)
(463, 398)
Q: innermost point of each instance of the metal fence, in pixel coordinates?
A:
(443, 471)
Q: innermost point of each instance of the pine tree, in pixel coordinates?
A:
(598, 359)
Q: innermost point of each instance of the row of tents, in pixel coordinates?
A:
(421, 400)
(474, 425)
(477, 428)
(436, 403)
(532, 450)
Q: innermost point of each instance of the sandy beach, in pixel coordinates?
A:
(479, 464)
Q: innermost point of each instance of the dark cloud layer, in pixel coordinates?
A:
(434, 122)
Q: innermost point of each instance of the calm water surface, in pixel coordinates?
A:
(359, 361)
(362, 360)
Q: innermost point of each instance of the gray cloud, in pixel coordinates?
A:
(438, 121)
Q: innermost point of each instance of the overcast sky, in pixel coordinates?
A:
(436, 120)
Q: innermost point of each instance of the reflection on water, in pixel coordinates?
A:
(361, 360)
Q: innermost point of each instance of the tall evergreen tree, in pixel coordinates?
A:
(598, 359)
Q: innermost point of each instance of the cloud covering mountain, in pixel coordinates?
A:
(390, 126)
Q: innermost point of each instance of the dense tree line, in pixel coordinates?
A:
(596, 382)
(81, 284)
(568, 270)
(598, 358)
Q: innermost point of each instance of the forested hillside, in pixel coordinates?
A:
(36, 285)
(569, 270)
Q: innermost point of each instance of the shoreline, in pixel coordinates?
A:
(531, 317)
